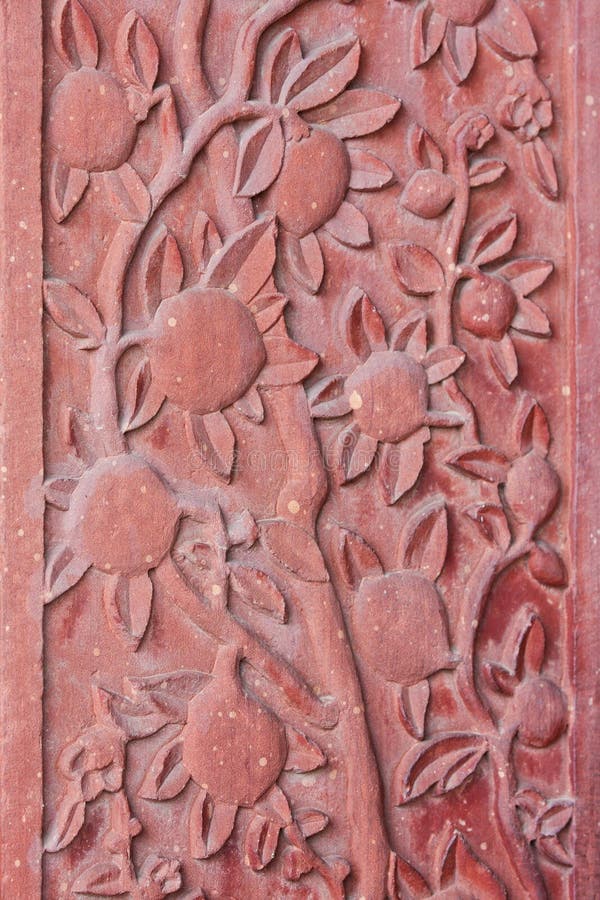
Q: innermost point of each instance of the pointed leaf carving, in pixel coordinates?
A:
(434, 762)
(166, 776)
(304, 260)
(213, 437)
(356, 113)
(426, 35)
(63, 570)
(363, 326)
(246, 260)
(83, 435)
(424, 542)
(136, 53)
(354, 453)
(416, 269)
(67, 822)
(541, 168)
(303, 754)
(162, 269)
(327, 398)
(400, 465)
(459, 51)
(142, 397)
(503, 360)
(267, 309)
(531, 319)
(103, 879)
(462, 871)
(424, 150)
(491, 521)
(283, 52)
(206, 241)
(527, 274)
(128, 605)
(260, 157)
(74, 35)
(486, 171)
(260, 842)
(480, 462)
(443, 362)
(546, 566)
(57, 492)
(507, 29)
(405, 880)
(367, 172)
(494, 239)
(322, 75)
(311, 821)
(257, 590)
(67, 187)
(294, 549)
(413, 702)
(74, 313)
(128, 195)
(211, 824)
(287, 362)
(356, 559)
(349, 226)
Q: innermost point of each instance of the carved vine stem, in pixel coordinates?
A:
(493, 562)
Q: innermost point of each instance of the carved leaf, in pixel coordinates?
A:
(459, 51)
(74, 35)
(304, 260)
(246, 260)
(182, 685)
(500, 679)
(63, 570)
(492, 523)
(436, 763)
(428, 193)
(349, 226)
(260, 843)
(322, 75)
(250, 405)
(166, 776)
(211, 824)
(546, 566)
(67, 187)
(137, 718)
(410, 334)
(356, 558)
(494, 240)
(424, 542)
(413, 703)
(503, 360)
(486, 171)
(363, 326)
(296, 863)
(294, 549)
(532, 428)
(556, 817)
(311, 821)
(256, 589)
(136, 53)
(287, 362)
(356, 113)
(213, 437)
(283, 52)
(128, 605)
(480, 462)
(162, 269)
(541, 168)
(424, 150)
(552, 848)
(142, 397)
(128, 195)
(171, 140)
(303, 754)
(367, 171)
(354, 453)
(417, 270)
(443, 362)
(526, 275)
(405, 881)
(531, 645)
(103, 879)
(267, 309)
(260, 157)
(507, 29)
(530, 319)
(327, 398)
(74, 313)
(426, 35)
(57, 492)
(400, 465)
(462, 870)
(206, 241)
(68, 820)
(82, 435)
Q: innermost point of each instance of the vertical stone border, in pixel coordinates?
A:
(21, 504)
(585, 518)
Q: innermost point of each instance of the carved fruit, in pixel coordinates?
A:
(90, 124)
(541, 710)
(207, 350)
(532, 489)
(312, 183)
(400, 623)
(389, 395)
(462, 12)
(232, 746)
(122, 515)
(487, 306)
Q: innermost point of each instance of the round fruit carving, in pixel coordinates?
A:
(123, 517)
(206, 350)
(91, 126)
(532, 488)
(400, 621)
(389, 395)
(541, 711)
(312, 183)
(232, 746)
(487, 306)
(463, 12)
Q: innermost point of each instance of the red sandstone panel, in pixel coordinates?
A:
(298, 383)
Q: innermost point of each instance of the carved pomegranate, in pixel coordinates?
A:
(122, 515)
(532, 488)
(232, 746)
(463, 12)
(400, 622)
(90, 124)
(206, 350)
(541, 711)
(312, 183)
(389, 395)
(487, 306)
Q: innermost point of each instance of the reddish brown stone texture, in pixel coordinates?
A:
(317, 382)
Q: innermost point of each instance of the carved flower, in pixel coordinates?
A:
(545, 823)
(538, 711)
(212, 345)
(92, 124)
(386, 395)
(294, 159)
(527, 107)
(453, 26)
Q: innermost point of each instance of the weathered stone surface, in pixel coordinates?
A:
(298, 373)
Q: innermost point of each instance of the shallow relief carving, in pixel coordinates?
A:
(305, 559)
